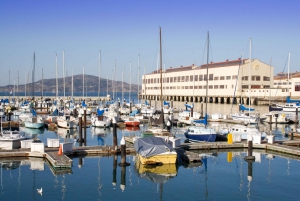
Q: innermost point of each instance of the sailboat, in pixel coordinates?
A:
(198, 132)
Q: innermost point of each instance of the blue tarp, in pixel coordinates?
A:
(189, 106)
(134, 112)
(33, 112)
(202, 121)
(83, 104)
(167, 103)
(289, 100)
(243, 108)
(54, 113)
(100, 112)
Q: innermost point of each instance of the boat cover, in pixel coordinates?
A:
(150, 146)
(243, 108)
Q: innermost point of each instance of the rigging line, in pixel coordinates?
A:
(236, 84)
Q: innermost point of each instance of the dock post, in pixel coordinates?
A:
(292, 135)
(192, 111)
(250, 144)
(115, 162)
(80, 162)
(123, 178)
(296, 114)
(201, 109)
(80, 128)
(115, 140)
(84, 131)
(47, 107)
(123, 153)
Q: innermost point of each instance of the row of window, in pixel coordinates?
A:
(256, 78)
(190, 78)
(210, 87)
(282, 83)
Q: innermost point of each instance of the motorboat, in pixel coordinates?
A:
(154, 150)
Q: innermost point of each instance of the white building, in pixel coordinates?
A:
(225, 80)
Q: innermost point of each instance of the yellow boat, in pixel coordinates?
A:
(154, 150)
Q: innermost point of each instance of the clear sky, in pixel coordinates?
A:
(124, 29)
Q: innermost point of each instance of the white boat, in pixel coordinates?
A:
(277, 117)
(244, 131)
(246, 117)
(67, 121)
(2, 112)
(25, 114)
(12, 135)
(100, 121)
(34, 122)
(289, 107)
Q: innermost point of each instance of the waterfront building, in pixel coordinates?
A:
(237, 78)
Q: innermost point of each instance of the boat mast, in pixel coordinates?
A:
(130, 85)
(64, 73)
(270, 84)
(56, 74)
(138, 79)
(18, 85)
(207, 62)
(72, 84)
(32, 91)
(160, 57)
(42, 82)
(99, 73)
(250, 66)
(289, 74)
(82, 81)
(123, 84)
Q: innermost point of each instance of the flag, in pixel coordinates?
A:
(10, 92)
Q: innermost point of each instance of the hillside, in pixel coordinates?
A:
(91, 85)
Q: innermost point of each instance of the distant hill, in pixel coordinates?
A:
(91, 84)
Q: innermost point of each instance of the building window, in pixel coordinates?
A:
(255, 78)
(186, 87)
(234, 77)
(245, 86)
(222, 77)
(204, 86)
(168, 79)
(182, 87)
(191, 87)
(186, 78)
(297, 86)
(210, 86)
(200, 77)
(228, 77)
(205, 77)
(200, 87)
(211, 76)
(221, 86)
(245, 78)
(266, 78)
(255, 86)
(171, 79)
(182, 78)
(178, 87)
(178, 79)
(216, 78)
(275, 83)
(191, 78)
(196, 77)
(216, 86)
(196, 87)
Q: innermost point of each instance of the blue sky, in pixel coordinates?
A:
(124, 29)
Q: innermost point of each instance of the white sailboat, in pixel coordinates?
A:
(200, 132)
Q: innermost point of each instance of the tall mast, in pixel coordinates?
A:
(138, 78)
(25, 83)
(82, 81)
(123, 84)
(72, 85)
(99, 73)
(18, 85)
(9, 83)
(64, 73)
(107, 85)
(288, 84)
(250, 66)
(130, 84)
(42, 82)
(33, 76)
(114, 77)
(207, 62)
(160, 50)
(56, 75)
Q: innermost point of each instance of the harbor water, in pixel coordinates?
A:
(219, 176)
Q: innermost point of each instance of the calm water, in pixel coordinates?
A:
(221, 176)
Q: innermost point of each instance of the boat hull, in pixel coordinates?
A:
(164, 158)
(201, 137)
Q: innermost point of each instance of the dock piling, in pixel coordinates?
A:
(123, 153)
(250, 145)
(115, 142)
